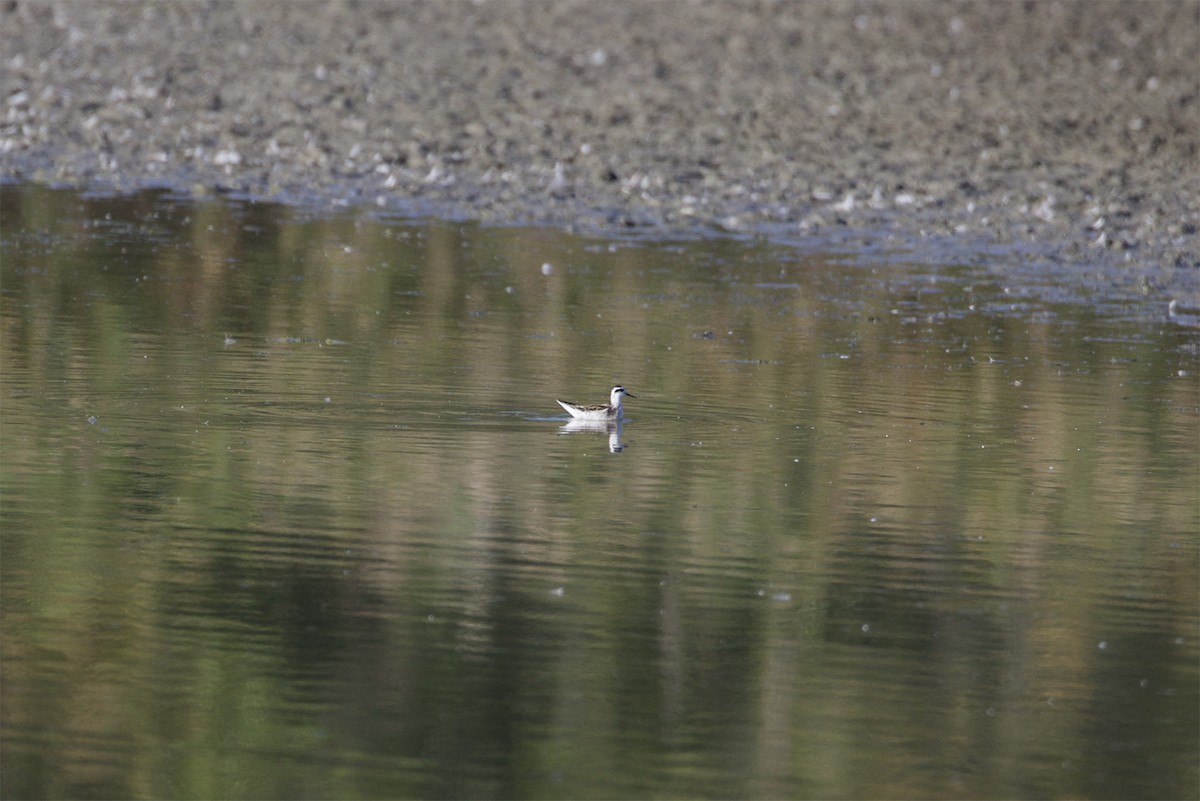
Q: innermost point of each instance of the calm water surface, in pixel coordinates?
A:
(288, 511)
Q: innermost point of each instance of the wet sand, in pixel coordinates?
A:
(1066, 130)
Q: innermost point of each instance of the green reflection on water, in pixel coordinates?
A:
(286, 513)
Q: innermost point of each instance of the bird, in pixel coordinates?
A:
(598, 411)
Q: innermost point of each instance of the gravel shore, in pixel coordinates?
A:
(1071, 129)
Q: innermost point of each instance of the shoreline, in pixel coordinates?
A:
(1067, 130)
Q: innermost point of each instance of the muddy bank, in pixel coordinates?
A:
(1068, 127)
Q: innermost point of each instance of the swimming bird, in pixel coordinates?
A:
(598, 411)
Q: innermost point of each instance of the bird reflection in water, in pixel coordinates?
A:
(610, 427)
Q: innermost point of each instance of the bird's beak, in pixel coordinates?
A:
(630, 394)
